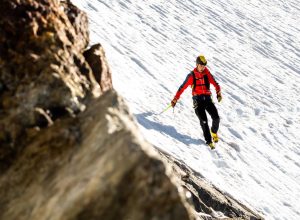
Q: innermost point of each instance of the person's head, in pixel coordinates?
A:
(200, 63)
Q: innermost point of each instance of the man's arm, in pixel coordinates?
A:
(212, 80)
(188, 81)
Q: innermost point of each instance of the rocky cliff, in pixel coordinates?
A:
(69, 147)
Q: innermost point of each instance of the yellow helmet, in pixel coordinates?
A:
(201, 60)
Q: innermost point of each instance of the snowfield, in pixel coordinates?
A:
(253, 51)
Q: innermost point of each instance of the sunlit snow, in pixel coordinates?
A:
(253, 51)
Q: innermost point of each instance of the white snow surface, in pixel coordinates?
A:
(253, 51)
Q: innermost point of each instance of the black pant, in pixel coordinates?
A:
(204, 103)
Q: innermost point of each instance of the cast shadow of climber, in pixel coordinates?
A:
(167, 129)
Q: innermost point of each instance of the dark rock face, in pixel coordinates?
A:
(95, 56)
(79, 21)
(93, 166)
(208, 201)
(43, 72)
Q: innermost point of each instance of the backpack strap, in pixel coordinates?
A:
(206, 80)
(194, 80)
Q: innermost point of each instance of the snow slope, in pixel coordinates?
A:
(253, 50)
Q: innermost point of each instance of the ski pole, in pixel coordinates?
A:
(169, 106)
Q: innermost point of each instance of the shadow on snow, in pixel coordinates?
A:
(167, 129)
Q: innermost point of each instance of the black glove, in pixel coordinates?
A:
(219, 96)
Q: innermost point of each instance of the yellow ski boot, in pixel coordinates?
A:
(211, 145)
(215, 137)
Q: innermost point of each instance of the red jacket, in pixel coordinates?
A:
(202, 82)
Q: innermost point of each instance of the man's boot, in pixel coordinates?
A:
(215, 137)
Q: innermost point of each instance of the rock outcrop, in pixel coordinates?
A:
(208, 201)
(69, 147)
(43, 72)
(93, 166)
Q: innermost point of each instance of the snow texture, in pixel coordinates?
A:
(253, 51)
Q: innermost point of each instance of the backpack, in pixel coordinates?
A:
(206, 81)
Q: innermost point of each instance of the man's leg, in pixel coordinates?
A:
(212, 110)
(200, 112)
